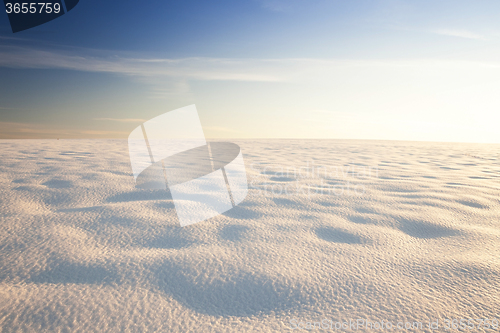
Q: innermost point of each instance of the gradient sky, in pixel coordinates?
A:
(396, 70)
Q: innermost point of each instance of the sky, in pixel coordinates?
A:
(381, 70)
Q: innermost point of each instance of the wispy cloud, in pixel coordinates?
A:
(165, 72)
(17, 130)
(459, 33)
(122, 120)
(101, 134)
(451, 32)
(166, 77)
(187, 68)
(214, 132)
(173, 75)
(220, 129)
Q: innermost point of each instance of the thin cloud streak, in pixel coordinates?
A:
(220, 129)
(122, 120)
(211, 69)
(459, 33)
(191, 68)
(17, 130)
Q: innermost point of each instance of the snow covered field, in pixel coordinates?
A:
(331, 230)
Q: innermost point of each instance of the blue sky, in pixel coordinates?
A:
(398, 70)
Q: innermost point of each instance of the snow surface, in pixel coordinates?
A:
(409, 232)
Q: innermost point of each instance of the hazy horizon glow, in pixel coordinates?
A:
(383, 71)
